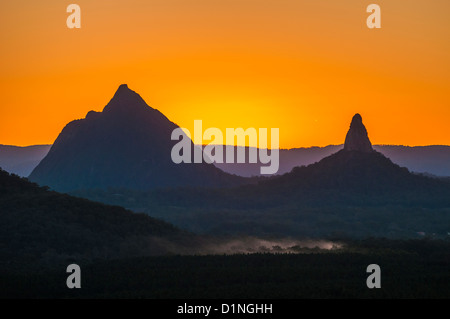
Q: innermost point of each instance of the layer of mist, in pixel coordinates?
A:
(253, 245)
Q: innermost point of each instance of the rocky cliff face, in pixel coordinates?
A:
(357, 138)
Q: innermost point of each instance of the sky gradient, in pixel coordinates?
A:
(304, 67)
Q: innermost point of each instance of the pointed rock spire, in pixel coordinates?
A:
(125, 100)
(357, 138)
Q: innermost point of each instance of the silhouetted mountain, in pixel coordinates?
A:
(22, 160)
(344, 178)
(37, 225)
(355, 175)
(432, 159)
(127, 145)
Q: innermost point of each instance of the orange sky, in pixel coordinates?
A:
(303, 66)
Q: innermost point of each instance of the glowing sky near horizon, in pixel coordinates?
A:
(303, 66)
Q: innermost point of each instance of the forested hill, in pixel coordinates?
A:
(38, 225)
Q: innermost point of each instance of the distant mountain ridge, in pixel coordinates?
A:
(127, 145)
(357, 174)
(21, 160)
(430, 159)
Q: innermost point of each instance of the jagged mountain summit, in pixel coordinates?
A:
(127, 145)
(357, 138)
(356, 175)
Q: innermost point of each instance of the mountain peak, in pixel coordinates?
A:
(125, 99)
(128, 145)
(357, 138)
(124, 90)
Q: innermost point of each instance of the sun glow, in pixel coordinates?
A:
(304, 67)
